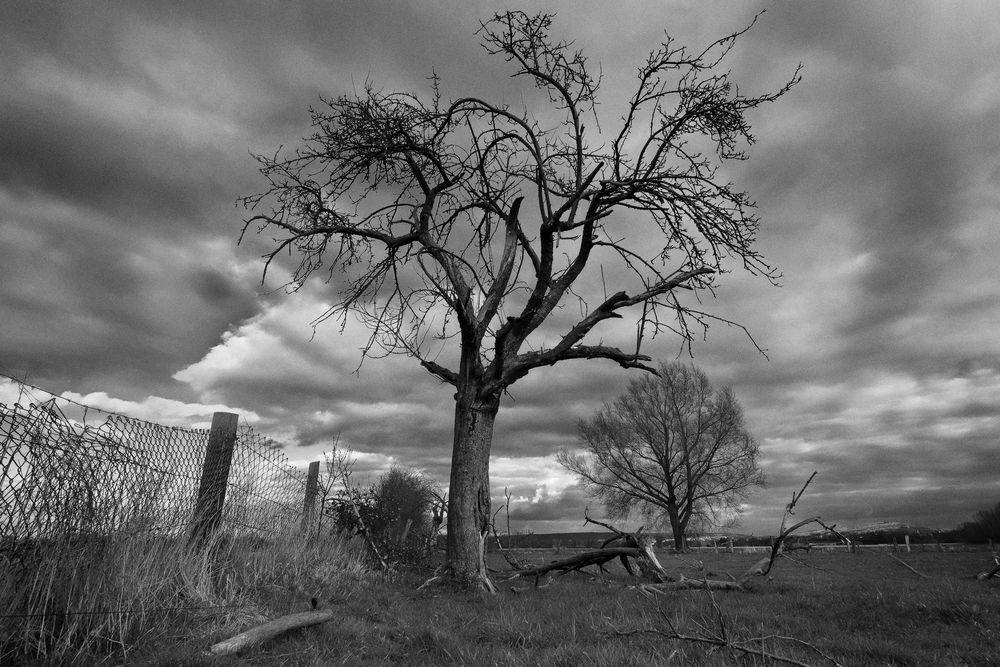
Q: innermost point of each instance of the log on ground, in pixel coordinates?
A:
(586, 559)
(266, 631)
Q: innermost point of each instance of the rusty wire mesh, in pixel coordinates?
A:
(70, 469)
(265, 494)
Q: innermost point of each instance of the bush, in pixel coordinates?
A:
(399, 511)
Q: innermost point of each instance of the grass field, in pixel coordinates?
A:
(855, 609)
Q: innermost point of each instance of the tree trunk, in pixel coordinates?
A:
(677, 527)
(469, 492)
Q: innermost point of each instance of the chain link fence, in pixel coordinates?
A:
(69, 469)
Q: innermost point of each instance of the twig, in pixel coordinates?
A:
(744, 647)
(514, 563)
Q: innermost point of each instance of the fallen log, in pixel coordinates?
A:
(648, 563)
(640, 547)
(686, 583)
(580, 561)
(266, 631)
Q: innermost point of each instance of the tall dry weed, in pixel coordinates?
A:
(86, 600)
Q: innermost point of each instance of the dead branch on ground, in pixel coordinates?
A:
(907, 566)
(763, 566)
(649, 565)
(639, 546)
(995, 572)
(576, 563)
(634, 545)
(689, 583)
(266, 631)
(718, 634)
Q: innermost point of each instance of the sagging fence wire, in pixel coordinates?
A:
(70, 469)
(126, 612)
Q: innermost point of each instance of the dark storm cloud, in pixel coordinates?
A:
(148, 180)
(893, 155)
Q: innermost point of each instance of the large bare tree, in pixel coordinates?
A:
(458, 230)
(673, 448)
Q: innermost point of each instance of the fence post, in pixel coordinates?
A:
(312, 488)
(214, 476)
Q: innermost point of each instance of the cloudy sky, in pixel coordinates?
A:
(125, 139)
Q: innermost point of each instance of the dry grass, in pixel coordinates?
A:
(860, 609)
(109, 600)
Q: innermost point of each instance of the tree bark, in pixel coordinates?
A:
(676, 527)
(469, 492)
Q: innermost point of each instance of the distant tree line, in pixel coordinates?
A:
(983, 528)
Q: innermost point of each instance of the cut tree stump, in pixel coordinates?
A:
(270, 630)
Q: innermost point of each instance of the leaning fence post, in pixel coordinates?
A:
(214, 476)
(312, 488)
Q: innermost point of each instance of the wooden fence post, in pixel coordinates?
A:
(214, 477)
(312, 489)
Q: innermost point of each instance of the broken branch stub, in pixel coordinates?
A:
(763, 566)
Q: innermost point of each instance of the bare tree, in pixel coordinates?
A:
(459, 231)
(673, 448)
